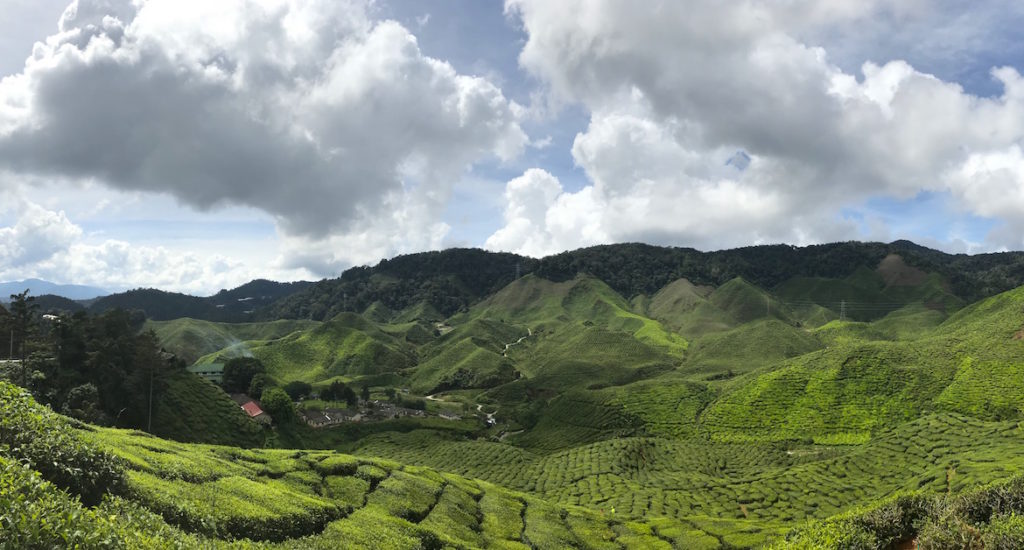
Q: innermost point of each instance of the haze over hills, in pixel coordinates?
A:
(37, 287)
(622, 396)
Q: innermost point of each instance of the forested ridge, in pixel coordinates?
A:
(454, 279)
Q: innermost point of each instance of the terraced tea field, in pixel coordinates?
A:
(278, 495)
(676, 478)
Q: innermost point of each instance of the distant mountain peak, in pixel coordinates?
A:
(38, 287)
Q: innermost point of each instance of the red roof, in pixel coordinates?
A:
(252, 409)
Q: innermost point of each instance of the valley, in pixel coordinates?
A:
(855, 395)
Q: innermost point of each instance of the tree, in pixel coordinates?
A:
(298, 389)
(148, 379)
(23, 310)
(258, 384)
(277, 404)
(350, 397)
(365, 394)
(239, 372)
(83, 403)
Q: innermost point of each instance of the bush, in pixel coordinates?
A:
(298, 389)
(278, 405)
(47, 443)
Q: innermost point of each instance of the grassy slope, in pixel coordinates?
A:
(345, 346)
(197, 496)
(749, 346)
(191, 339)
(679, 478)
(194, 409)
(969, 364)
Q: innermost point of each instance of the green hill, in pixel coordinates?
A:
(749, 346)
(191, 339)
(196, 496)
(194, 409)
(346, 346)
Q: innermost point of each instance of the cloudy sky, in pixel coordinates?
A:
(194, 144)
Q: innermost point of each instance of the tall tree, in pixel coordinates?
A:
(23, 308)
(239, 372)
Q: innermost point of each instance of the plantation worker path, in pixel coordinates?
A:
(529, 332)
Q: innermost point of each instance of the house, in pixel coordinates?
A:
(329, 417)
(450, 416)
(256, 413)
(214, 372)
(314, 419)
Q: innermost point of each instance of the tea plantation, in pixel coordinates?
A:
(868, 409)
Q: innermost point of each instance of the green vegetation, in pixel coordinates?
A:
(196, 410)
(191, 339)
(348, 345)
(626, 396)
(192, 496)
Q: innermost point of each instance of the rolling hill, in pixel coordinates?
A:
(853, 395)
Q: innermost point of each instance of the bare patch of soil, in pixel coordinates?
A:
(896, 272)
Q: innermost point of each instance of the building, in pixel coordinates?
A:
(450, 416)
(256, 413)
(329, 417)
(214, 372)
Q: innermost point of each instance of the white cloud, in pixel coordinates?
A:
(47, 244)
(310, 111)
(36, 236)
(675, 90)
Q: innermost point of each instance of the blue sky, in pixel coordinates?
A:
(194, 146)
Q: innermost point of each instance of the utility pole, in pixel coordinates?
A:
(149, 423)
(842, 310)
(517, 270)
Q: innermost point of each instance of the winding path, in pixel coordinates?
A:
(529, 333)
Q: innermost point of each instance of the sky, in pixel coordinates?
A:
(194, 145)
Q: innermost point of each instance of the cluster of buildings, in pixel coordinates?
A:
(375, 411)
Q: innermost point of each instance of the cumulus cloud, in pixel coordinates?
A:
(311, 111)
(37, 235)
(46, 244)
(674, 91)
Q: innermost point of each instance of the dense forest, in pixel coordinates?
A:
(454, 279)
(96, 368)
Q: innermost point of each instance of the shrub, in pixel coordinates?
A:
(47, 443)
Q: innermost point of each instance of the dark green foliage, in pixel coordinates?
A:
(448, 281)
(126, 368)
(49, 444)
(298, 390)
(239, 372)
(196, 410)
(57, 305)
(278, 405)
(227, 305)
(338, 391)
(257, 385)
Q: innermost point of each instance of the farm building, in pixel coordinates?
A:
(256, 413)
(329, 417)
(214, 372)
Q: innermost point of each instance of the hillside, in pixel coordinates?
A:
(787, 403)
(236, 305)
(166, 494)
(191, 339)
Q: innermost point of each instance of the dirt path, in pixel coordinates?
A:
(506, 434)
(490, 416)
(529, 333)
